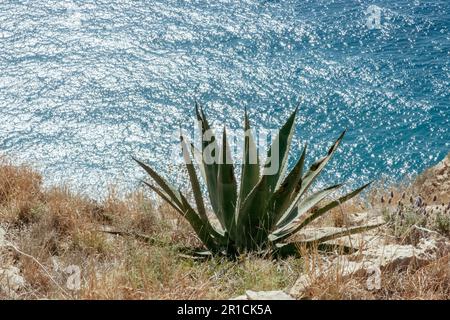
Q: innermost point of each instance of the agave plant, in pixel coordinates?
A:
(266, 209)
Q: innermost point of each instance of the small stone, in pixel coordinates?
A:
(243, 297)
(11, 281)
(267, 295)
(2, 237)
(264, 295)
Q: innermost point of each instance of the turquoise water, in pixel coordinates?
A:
(84, 84)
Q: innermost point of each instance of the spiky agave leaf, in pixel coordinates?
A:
(168, 188)
(284, 195)
(344, 232)
(280, 146)
(209, 164)
(202, 228)
(303, 207)
(252, 208)
(250, 164)
(196, 189)
(253, 215)
(226, 189)
(297, 224)
(306, 182)
(293, 248)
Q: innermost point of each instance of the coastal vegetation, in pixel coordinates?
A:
(44, 231)
(268, 207)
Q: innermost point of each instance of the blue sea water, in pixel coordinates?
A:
(85, 84)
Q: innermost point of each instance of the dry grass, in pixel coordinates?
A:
(431, 282)
(60, 229)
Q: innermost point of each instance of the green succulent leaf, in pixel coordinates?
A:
(346, 232)
(250, 164)
(203, 229)
(196, 189)
(319, 212)
(165, 197)
(254, 217)
(197, 155)
(296, 226)
(311, 201)
(226, 189)
(250, 214)
(278, 153)
(170, 190)
(296, 216)
(293, 248)
(283, 197)
(200, 227)
(308, 179)
(209, 160)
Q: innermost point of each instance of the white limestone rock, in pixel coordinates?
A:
(264, 295)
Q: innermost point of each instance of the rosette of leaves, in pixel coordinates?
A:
(260, 211)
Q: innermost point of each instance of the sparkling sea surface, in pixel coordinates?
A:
(86, 84)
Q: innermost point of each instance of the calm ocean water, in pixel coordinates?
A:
(84, 84)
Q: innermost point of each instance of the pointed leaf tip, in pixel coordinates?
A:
(198, 109)
(297, 106)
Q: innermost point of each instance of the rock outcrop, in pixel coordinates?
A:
(376, 257)
(11, 282)
(435, 181)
